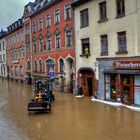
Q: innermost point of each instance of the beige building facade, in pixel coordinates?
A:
(113, 35)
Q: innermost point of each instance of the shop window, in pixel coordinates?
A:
(16, 71)
(137, 90)
(21, 71)
(102, 8)
(120, 8)
(84, 18)
(111, 84)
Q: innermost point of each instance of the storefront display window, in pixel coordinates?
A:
(137, 90)
(111, 86)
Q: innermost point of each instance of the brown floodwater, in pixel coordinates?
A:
(71, 118)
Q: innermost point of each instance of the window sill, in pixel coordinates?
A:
(48, 27)
(84, 26)
(104, 54)
(103, 20)
(122, 52)
(85, 55)
(57, 23)
(67, 19)
(120, 16)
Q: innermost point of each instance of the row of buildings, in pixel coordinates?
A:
(94, 44)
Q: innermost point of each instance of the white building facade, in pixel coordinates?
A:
(3, 67)
(110, 30)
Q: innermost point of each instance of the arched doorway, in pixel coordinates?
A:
(86, 81)
(70, 74)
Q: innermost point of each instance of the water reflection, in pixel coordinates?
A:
(70, 119)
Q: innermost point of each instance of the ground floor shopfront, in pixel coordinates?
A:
(119, 80)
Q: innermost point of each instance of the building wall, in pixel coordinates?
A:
(14, 43)
(110, 27)
(3, 67)
(55, 54)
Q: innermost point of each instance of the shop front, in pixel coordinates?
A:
(121, 81)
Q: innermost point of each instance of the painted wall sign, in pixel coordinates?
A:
(15, 61)
(126, 65)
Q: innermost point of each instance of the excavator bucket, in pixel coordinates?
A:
(39, 106)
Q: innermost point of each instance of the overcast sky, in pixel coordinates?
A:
(10, 11)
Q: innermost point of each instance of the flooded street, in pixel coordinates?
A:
(71, 118)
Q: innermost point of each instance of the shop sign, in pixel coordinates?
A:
(126, 65)
(15, 61)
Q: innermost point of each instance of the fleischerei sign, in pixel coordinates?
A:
(128, 65)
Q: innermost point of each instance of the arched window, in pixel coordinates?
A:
(49, 65)
(35, 66)
(28, 65)
(40, 66)
(61, 65)
(41, 43)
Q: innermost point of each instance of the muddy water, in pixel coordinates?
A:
(70, 119)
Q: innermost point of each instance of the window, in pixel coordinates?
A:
(0, 46)
(22, 53)
(40, 66)
(19, 54)
(61, 63)
(35, 66)
(0, 58)
(85, 46)
(3, 45)
(49, 65)
(102, 8)
(48, 21)
(67, 12)
(57, 40)
(34, 27)
(27, 29)
(48, 43)
(27, 48)
(41, 43)
(4, 59)
(28, 65)
(34, 46)
(111, 86)
(16, 71)
(57, 16)
(21, 71)
(84, 18)
(40, 24)
(68, 38)
(120, 8)
(122, 46)
(104, 45)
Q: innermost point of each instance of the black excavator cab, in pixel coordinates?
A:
(43, 97)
